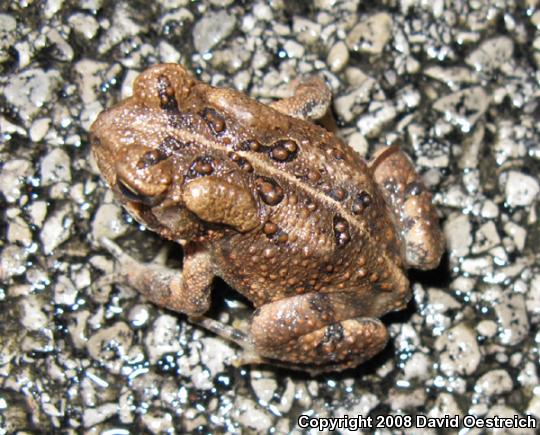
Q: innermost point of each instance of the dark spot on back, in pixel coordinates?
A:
(167, 100)
(215, 121)
(341, 231)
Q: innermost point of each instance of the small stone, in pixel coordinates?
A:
(30, 90)
(8, 35)
(512, 316)
(370, 125)
(453, 77)
(487, 328)
(533, 295)
(264, 385)
(18, 231)
(494, 383)
(489, 210)
(211, 29)
(520, 189)
(57, 229)
(55, 167)
(517, 233)
(463, 108)
(305, 30)
(162, 338)
(158, 422)
(13, 177)
(111, 345)
(32, 314)
(83, 24)
(457, 231)
(459, 351)
(371, 35)
(353, 103)
(445, 404)
(39, 129)
(138, 316)
(478, 266)
(338, 56)
(487, 237)
(399, 399)
(94, 416)
(108, 222)
(418, 367)
(65, 292)
(250, 415)
(12, 261)
(294, 49)
(492, 54)
(358, 143)
(215, 353)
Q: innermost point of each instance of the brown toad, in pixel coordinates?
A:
(278, 207)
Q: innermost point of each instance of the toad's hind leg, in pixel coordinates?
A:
(186, 292)
(315, 330)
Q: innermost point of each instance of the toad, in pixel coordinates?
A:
(282, 210)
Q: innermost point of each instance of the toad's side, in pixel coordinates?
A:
(279, 208)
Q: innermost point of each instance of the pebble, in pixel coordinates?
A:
(65, 292)
(520, 189)
(338, 56)
(418, 367)
(512, 318)
(108, 222)
(158, 422)
(400, 400)
(533, 295)
(517, 233)
(33, 317)
(94, 416)
(84, 24)
(487, 328)
(56, 229)
(264, 385)
(353, 103)
(463, 108)
(307, 31)
(8, 35)
(30, 90)
(12, 261)
(19, 232)
(162, 338)
(250, 415)
(215, 353)
(478, 266)
(453, 77)
(371, 34)
(122, 27)
(494, 383)
(486, 238)
(13, 177)
(457, 232)
(459, 353)
(111, 345)
(55, 167)
(445, 404)
(492, 54)
(211, 29)
(370, 125)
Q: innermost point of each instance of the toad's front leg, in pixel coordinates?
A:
(186, 292)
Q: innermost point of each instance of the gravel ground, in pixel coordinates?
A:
(456, 82)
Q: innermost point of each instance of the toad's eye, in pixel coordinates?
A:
(129, 192)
